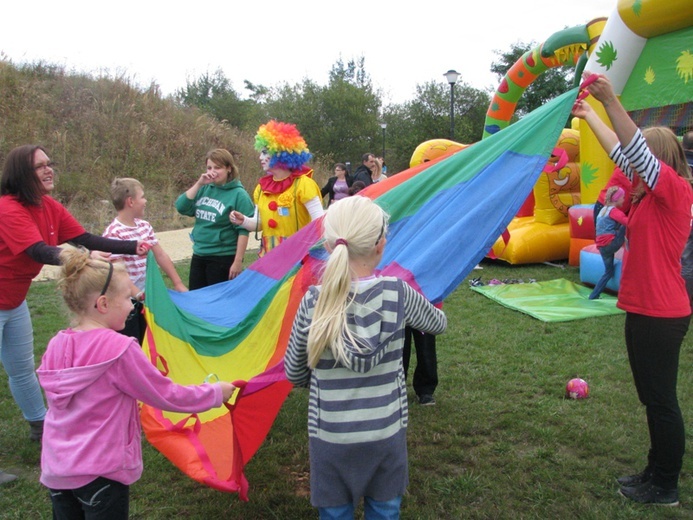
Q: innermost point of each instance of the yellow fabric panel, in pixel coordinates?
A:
(243, 362)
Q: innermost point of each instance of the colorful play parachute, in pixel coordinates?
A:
(445, 216)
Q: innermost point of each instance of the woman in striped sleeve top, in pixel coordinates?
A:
(346, 345)
(652, 291)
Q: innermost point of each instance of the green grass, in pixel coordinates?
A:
(502, 442)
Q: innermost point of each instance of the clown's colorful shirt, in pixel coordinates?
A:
(281, 206)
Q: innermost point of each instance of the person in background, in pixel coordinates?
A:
(356, 187)
(218, 243)
(610, 234)
(687, 257)
(364, 172)
(94, 378)
(337, 186)
(33, 224)
(618, 179)
(346, 344)
(687, 143)
(652, 291)
(286, 198)
(377, 173)
(127, 196)
(425, 379)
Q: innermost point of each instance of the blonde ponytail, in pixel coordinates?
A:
(352, 228)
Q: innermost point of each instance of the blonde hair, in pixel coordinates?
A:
(608, 197)
(81, 277)
(377, 170)
(122, 188)
(352, 228)
(664, 144)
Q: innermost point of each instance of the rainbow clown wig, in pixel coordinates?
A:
(284, 144)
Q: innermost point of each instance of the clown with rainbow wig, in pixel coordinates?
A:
(286, 198)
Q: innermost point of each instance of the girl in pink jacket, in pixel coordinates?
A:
(93, 378)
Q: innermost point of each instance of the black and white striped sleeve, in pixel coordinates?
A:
(642, 160)
(296, 357)
(621, 161)
(420, 314)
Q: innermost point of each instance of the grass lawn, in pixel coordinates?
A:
(501, 442)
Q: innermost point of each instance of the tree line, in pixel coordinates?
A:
(342, 119)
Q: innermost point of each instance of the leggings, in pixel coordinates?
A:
(653, 346)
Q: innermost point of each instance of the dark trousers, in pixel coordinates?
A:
(653, 352)
(135, 325)
(101, 499)
(426, 372)
(209, 270)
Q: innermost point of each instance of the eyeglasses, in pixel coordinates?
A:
(108, 282)
(40, 168)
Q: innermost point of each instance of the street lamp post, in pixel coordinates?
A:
(452, 76)
(383, 126)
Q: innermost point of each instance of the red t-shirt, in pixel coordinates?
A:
(21, 227)
(658, 228)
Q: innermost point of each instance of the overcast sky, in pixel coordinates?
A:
(271, 42)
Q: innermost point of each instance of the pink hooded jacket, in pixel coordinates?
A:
(93, 380)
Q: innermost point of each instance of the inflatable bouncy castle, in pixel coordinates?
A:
(645, 49)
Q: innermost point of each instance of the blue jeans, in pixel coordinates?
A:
(101, 499)
(373, 509)
(17, 355)
(608, 253)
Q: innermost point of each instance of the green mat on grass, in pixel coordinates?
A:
(552, 300)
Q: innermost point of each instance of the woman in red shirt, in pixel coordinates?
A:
(652, 291)
(33, 225)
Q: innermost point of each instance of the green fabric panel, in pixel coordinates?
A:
(206, 338)
(552, 300)
(533, 135)
(663, 74)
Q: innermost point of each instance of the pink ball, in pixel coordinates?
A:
(577, 389)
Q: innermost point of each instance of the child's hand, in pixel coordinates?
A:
(179, 287)
(227, 390)
(236, 268)
(143, 248)
(207, 178)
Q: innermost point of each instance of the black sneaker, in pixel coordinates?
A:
(426, 400)
(635, 480)
(648, 493)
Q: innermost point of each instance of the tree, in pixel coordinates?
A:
(428, 117)
(545, 87)
(339, 121)
(213, 94)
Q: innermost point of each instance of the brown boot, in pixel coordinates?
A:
(36, 430)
